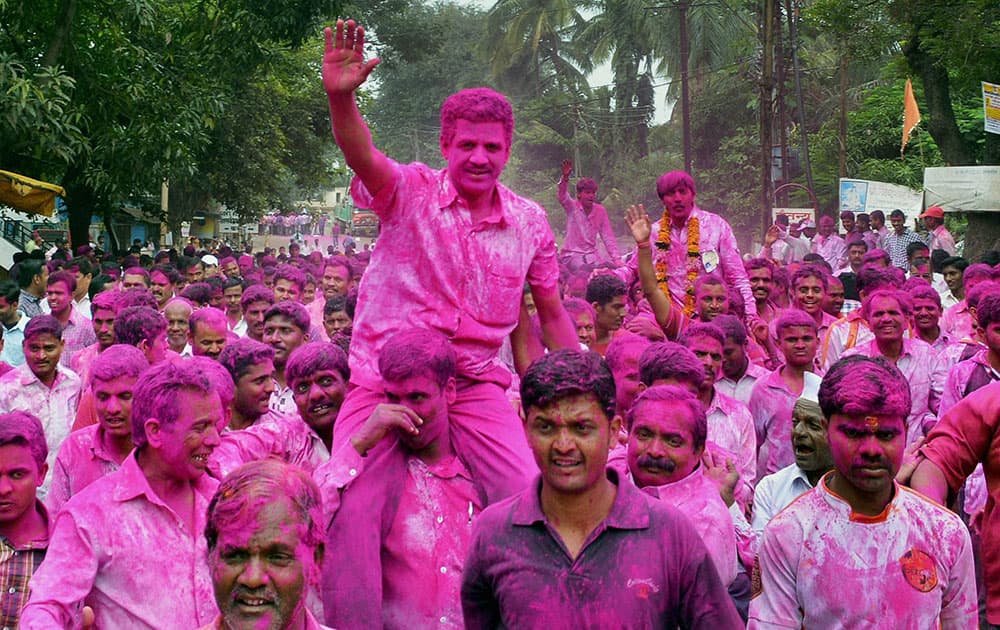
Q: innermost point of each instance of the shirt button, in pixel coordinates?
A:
(14, 590)
(443, 570)
(440, 519)
(352, 472)
(443, 620)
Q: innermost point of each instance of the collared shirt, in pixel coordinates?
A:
(969, 434)
(845, 333)
(434, 268)
(959, 385)
(718, 249)
(20, 390)
(311, 624)
(584, 228)
(698, 497)
(957, 321)
(821, 565)
(895, 245)
(83, 360)
(832, 248)
(948, 299)
(77, 334)
(941, 238)
(13, 340)
(731, 426)
(644, 566)
(17, 564)
(740, 390)
(120, 548)
(30, 305)
(771, 406)
(239, 328)
(425, 547)
(872, 238)
(82, 460)
(288, 438)
(774, 492)
(282, 401)
(926, 375)
(83, 306)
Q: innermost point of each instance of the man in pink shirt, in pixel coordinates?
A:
(941, 238)
(583, 547)
(103, 308)
(42, 386)
(586, 222)
(676, 256)
(852, 329)
(264, 534)
(983, 367)
(957, 320)
(405, 523)
(454, 253)
(887, 314)
(859, 548)
(828, 244)
(667, 429)
(99, 449)
(739, 374)
(809, 286)
(773, 396)
(927, 317)
(110, 543)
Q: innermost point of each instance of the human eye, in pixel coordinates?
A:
(234, 556)
(675, 441)
(543, 426)
(643, 434)
(326, 381)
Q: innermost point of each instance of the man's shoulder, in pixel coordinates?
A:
(93, 504)
(79, 441)
(925, 509)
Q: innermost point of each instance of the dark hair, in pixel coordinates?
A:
(566, 373)
(858, 385)
(667, 359)
(415, 352)
(199, 293)
(98, 284)
(26, 271)
(335, 304)
(732, 328)
(915, 246)
(290, 310)
(316, 356)
(24, 429)
(256, 293)
(242, 354)
(67, 278)
(136, 324)
(678, 396)
(42, 325)
(10, 292)
(604, 288)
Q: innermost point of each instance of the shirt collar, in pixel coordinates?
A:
(627, 512)
(841, 504)
(38, 543)
(132, 483)
(28, 377)
(448, 197)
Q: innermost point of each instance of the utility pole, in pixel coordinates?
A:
(779, 48)
(793, 16)
(766, 109)
(682, 7)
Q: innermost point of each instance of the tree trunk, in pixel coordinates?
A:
(982, 235)
(82, 201)
(842, 154)
(940, 115)
(60, 34)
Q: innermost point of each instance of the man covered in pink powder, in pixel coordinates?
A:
(586, 223)
(455, 250)
(667, 432)
(859, 549)
(264, 534)
(130, 545)
(582, 547)
(405, 523)
(99, 449)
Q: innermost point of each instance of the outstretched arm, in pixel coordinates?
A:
(344, 71)
(564, 197)
(641, 227)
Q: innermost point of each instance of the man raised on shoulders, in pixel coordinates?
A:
(454, 253)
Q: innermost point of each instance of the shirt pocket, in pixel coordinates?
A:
(497, 299)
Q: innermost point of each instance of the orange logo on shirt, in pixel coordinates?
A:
(644, 587)
(919, 570)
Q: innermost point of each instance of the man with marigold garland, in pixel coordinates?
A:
(689, 242)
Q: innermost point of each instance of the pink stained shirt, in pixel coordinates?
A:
(845, 333)
(698, 497)
(823, 566)
(20, 390)
(82, 361)
(77, 335)
(941, 238)
(584, 228)
(926, 374)
(82, 460)
(967, 435)
(741, 389)
(287, 438)
(731, 426)
(118, 547)
(405, 527)
(434, 268)
(957, 321)
(771, 406)
(832, 248)
(310, 624)
(718, 248)
(966, 377)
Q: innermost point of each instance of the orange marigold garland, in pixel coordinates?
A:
(693, 257)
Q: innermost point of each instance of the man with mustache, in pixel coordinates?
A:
(667, 429)
(130, 544)
(859, 546)
(99, 449)
(265, 548)
(888, 314)
(455, 250)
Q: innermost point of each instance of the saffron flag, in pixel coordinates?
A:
(911, 114)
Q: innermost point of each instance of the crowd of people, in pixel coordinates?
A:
(465, 427)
